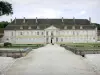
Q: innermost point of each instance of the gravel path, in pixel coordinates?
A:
(51, 60)
(5, 63)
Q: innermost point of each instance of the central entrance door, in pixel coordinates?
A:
(50, 39)
(52, 42)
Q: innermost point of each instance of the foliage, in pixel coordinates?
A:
(6, 44)
(3, 24)
(97, 25)
(5, 8)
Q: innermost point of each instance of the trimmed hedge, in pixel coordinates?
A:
(7, 44)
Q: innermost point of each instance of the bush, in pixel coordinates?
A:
(6, 44)
(79, 46)
(28, 44)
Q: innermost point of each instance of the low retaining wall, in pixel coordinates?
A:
(14, 53)
(82, 52)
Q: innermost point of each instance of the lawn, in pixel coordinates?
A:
(84, 46)
(23, 45)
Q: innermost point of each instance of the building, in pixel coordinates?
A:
(98, 35)
(43, 31)
(1, 33)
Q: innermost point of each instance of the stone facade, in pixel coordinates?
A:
(17, 33)
(50, 34)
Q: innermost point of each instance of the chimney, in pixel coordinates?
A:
(62, 20)
(11, 20)
(74, 20)
(36, 20)
(90, 19)
(24, 20)
(15, 20)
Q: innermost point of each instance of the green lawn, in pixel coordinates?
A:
(23, 46)
(85, 46)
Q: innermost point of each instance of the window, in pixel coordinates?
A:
(56, 39)
(94, 38)
(7, 38)
(37, 33)
(61, 39)
(21, 33)
(46, 33)
(42, 33)
(12, 33)
(51, 33)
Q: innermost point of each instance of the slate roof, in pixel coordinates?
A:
(18, 24)
(51, 21)
(98, 33)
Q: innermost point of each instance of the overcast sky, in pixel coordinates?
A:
(55, 9)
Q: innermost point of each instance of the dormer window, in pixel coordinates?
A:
(21, 27)
(29, 27)
(38, 27)
(81, 27)
(65, 27)
(73, 27)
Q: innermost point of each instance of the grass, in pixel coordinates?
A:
(84, 46)
(23, 46)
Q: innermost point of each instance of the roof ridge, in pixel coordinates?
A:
(51, 18)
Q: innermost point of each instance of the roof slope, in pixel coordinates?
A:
(51, 21)
(26, 24)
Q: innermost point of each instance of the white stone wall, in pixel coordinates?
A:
(24, 36)
(78, 36)
(44, 36)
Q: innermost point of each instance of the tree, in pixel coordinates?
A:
(5, 8)
(3, 24)
(97, 25)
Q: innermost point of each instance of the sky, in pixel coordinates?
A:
(80, 9)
